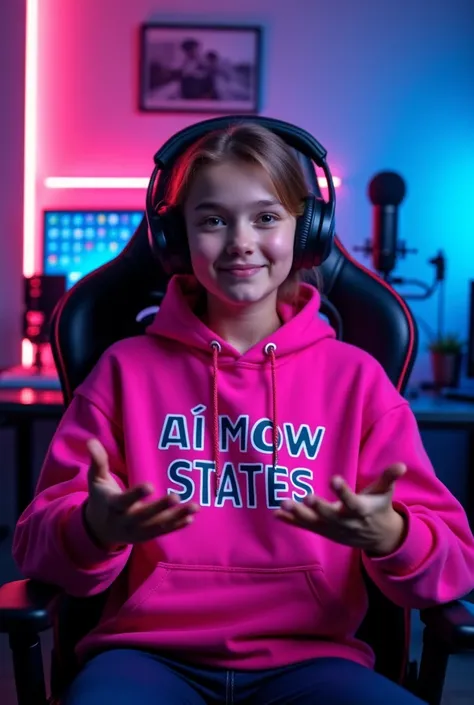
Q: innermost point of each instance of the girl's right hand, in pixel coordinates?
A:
(116, 518)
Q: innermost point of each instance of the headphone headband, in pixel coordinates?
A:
(315, 228)
(294, 136)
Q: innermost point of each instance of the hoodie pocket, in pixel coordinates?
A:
(337, 615)
(236, 601)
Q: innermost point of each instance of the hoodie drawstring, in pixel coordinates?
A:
(270, 349)
(216, 348)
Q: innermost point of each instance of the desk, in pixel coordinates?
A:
(20, 408)
(437, 413)
(433, 411)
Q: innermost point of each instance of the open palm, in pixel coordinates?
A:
(117, 517)
(365, 520)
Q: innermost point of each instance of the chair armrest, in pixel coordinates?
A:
(26, 605)
(452, 624)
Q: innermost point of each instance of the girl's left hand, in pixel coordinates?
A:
(366, 521)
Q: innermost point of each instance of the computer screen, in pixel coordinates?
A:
(75, 242)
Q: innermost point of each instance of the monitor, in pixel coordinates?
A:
(75, 242)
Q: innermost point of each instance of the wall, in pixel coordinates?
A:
(382, 85)
(12, 70)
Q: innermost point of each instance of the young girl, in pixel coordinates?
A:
(245, 467)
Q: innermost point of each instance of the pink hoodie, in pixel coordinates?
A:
(238, 588)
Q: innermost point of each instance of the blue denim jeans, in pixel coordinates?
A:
(134, 677)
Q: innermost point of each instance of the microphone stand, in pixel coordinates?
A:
(439, 263)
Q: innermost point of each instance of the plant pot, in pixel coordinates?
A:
(446, 368)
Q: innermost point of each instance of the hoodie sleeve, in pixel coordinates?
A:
(50, 542)
(435, 563)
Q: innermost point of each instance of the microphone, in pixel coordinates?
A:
(386, 191)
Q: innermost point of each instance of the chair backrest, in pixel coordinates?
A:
(102, 308)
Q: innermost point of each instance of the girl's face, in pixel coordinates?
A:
(240, 237)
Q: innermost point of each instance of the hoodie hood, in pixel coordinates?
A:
(176, 320)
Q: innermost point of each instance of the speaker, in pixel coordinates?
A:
(41, 294)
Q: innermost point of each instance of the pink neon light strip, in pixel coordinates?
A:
(29, 160)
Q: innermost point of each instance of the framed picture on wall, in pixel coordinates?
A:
(197, 68)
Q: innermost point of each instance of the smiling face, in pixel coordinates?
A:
(240, 236)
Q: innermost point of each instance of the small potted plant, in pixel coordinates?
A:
(446, 356)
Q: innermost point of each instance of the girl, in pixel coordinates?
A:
(245, 467)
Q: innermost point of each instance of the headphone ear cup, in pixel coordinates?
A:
(313, 234)
(156, 236)
(326, 235)
(167, 233)
(306, 232)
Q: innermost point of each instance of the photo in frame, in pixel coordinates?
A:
(200, 68)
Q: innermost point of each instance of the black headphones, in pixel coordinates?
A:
(166, 230)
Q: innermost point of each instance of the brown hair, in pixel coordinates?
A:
(253, 144)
